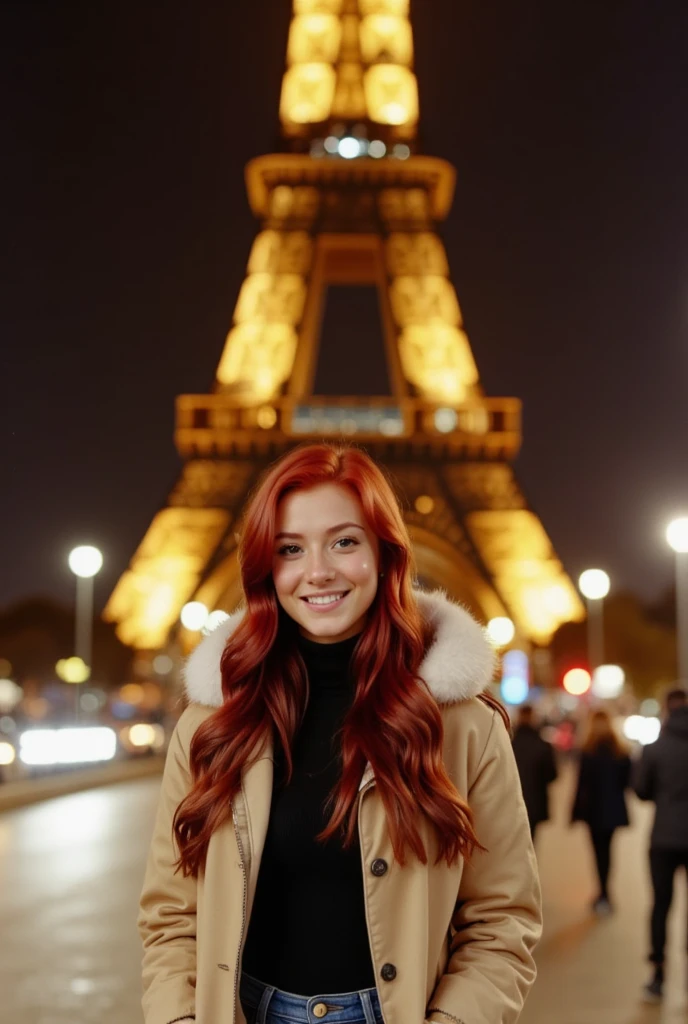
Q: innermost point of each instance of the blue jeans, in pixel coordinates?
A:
(263, 1004)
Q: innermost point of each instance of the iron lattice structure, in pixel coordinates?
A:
(349, 201)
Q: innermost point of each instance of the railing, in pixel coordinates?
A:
(221, 424)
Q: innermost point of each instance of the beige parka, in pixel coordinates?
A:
(452, 945)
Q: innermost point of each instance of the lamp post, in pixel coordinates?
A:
(677, 537)
(594, 586)
(85, 562)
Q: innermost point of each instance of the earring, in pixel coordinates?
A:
(381, 575)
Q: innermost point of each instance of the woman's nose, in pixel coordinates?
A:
(319, 570)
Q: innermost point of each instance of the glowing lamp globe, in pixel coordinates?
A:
(85, 561)
(577, 681)
(214, 620)
(194, 615)
(72, 670)
(677, 535)
(594, 584)
(608, 681)
(500, 631)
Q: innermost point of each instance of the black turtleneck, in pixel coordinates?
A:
(307, 932)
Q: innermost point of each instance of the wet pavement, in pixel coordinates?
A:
(591, 970)
(70, 873)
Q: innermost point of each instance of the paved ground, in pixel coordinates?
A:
(591, 970)
(70, 871)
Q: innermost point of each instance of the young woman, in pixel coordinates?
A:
(600, 801)
(341, 832)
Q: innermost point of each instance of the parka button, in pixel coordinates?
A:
(388, 972)
(379, 866)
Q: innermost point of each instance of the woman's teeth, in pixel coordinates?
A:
(329, 599)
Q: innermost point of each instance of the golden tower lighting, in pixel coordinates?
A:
(349, 201)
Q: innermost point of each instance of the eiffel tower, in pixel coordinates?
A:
(349, 202)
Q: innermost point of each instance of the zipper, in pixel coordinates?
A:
(240, 847)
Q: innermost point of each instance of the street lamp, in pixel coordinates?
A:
(501, 631)
(594, 586)
(677, 537)
(85, 562)
(194, 616)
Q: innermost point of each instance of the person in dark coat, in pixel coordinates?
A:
(662, 776)
(536, 766)
(600, 801)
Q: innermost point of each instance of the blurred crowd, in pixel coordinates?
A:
(606, 769)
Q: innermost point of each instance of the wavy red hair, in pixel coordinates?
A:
(394, 722)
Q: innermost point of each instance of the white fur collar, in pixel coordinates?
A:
(458, 664)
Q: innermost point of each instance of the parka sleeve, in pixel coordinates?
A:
(167, 915)
(497, 921)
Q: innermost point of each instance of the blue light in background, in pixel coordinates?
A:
(513, 690)
(515, 671)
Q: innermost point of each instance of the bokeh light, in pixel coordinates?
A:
(349, 147)
(594, 584)
(642, 729)
(608, 681)
(214, 620)
(7, 753)
(677, 534)
(424, 504)
(515, 677)
(194, 615)
(85, 561)
(577, 681)
(501, 631)
(67, 746)
(72, 670)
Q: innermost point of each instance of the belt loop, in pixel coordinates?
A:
(367, 1007)
(268, 993)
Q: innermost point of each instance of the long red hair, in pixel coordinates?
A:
(394, 722)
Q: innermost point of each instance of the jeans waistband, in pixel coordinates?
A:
(341, 1008)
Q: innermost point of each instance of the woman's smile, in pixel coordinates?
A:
(325, 602)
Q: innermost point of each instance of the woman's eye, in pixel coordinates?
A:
(288, 549)
(346, 542)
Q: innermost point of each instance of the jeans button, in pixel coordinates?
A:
(320, 1009)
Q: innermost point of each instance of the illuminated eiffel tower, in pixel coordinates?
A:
(349, 202)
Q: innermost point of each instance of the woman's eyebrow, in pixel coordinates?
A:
(332, 529)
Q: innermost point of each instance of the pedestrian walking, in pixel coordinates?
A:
(600, 800)
(340, 831)
(536, 766)
(662, 776)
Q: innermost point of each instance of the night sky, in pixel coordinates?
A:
(126, 230)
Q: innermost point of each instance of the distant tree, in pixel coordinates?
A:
(37, 632)
(645, 648)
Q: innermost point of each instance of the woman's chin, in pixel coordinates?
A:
(329, 631)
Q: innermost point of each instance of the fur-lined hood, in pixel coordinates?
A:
(458, 664)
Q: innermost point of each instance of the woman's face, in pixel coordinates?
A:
(325, 562)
